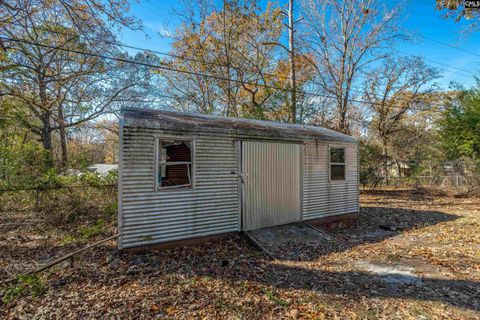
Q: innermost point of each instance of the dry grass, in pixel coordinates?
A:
(409, 255)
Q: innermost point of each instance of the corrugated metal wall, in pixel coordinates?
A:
(272, 183)
(321, 197)
(149, 216)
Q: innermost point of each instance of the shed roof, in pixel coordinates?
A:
(179, 121)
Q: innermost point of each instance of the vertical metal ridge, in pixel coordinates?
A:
(272, 186)
(213, 205)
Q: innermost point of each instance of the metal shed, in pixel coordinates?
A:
(184, 176)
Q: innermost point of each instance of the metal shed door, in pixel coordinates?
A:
(271, 188)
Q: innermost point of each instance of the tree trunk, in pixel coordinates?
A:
(47, 140)
(342, 127)
(46, 130)
(343, 107)
(293, 84)
(385, 160)
(4, 156)
(341, 123)
(63, 139)
(399, 168)
(63, 144)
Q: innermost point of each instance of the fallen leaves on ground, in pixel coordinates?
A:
(365, 271)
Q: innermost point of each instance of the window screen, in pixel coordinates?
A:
(337, 164)
(174, 163)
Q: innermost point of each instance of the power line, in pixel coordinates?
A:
(218, 64)
(181, 71)
(465, 73)
(445, 65)
(163, 66)
(443, 43)
(168, 68)
(116, 43)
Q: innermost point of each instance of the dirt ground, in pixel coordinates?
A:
(410, 255)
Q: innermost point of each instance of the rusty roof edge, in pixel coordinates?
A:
(196, 120)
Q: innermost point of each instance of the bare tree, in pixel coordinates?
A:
(50, 70)
(397, 88)
(90, 18)
(346, 37)
(228, 64)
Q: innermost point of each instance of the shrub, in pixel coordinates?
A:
(94, 230)
(111, 209)
(97, 180)
(68, 239)
(26, 285)
(61, 206)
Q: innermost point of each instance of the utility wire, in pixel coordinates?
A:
(442, 43)
(168, 68)
(171, 55)
(445, 65)
(465, 73)
(213, 63)
(116, 43)
(163, 66)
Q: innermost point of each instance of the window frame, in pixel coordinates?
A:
(157, 184)
(330, 163)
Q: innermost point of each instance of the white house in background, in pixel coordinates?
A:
(187, 176)
(102, 168)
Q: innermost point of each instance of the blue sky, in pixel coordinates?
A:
(419, 17)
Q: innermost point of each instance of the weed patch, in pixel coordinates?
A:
(89, 232)
(26, 285)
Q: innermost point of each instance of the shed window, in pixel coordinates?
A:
(337, 164)
(174, 163)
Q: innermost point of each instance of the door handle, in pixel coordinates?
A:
(243, 176)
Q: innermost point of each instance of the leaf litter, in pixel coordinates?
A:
(409, 255)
